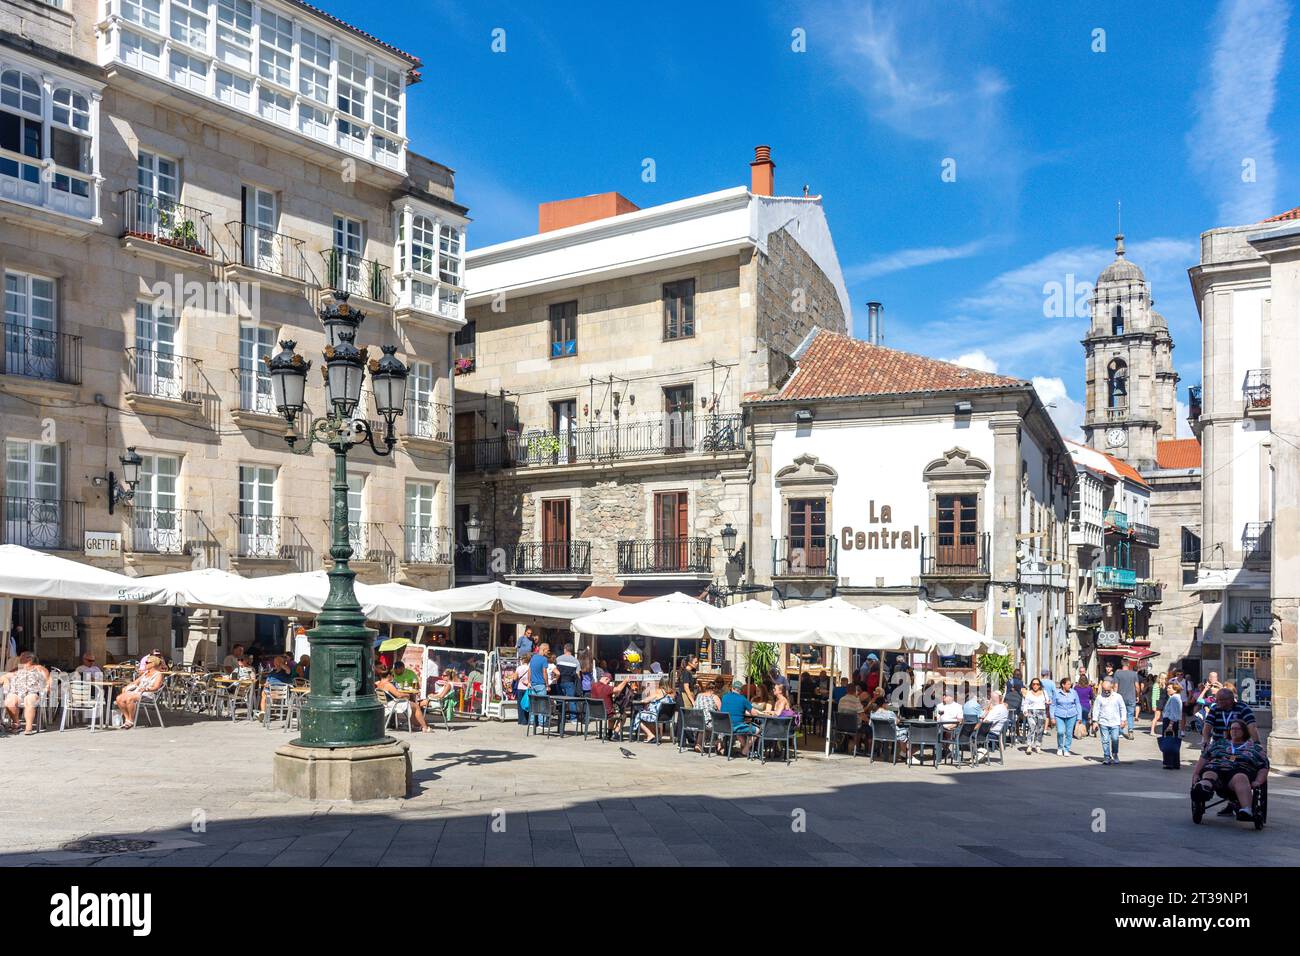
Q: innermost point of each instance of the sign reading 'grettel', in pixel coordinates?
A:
(880, 539)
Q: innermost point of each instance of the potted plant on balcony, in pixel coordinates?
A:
(464, 365)
(186, 236)
(543, 447)
(378, 289)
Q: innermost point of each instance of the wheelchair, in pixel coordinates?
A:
(1258, 804)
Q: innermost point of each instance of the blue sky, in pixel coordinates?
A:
(1046, 134)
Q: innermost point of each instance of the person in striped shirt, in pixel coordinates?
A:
(1225, 709)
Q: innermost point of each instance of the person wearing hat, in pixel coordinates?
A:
(737, 706)
(88, 669)
(871, 679)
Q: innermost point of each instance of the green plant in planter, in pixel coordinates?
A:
(186, 234)
(333, 268)
(760, 661)
(378, 292)
(996, 667)
(541, 447)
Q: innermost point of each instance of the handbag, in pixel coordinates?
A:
(1080, 730)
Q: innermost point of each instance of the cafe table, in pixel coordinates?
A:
(563, 701)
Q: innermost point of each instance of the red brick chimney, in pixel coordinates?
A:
(573, 212)
(762, 172)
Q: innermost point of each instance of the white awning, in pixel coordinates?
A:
(754, 621)
(840, 624)
(673, 616)
(509, 601)
(33, 574)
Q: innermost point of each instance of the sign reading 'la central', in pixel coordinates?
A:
(880, 539)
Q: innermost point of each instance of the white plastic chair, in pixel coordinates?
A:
(397, 708)
(84, 699)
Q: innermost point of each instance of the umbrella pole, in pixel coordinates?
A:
(830, 699)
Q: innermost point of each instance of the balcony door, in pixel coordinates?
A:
(420, 416)
(420, 544)
(158, 190)
(155, 520)
(806, 535)
(156, 369)
(33, 511)
(261, 223)
(957, 532)
(345, 270)
(255, 343)
(679, 418)
(672, 525)
(258, 534)
(465, 444)
(31, 343)
(556, 534)
(564, 416)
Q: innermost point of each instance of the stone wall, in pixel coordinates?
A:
(1175, 504)
(794, 297)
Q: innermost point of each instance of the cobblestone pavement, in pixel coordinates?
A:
(487, 794)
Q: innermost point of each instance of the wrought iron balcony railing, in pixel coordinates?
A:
(473, 560)
(1145, 534)
(271, 537)
(172, 531)
(666, 556)
(357, 276)
(1148, 592)
(1256, 391)
(422, 545)
(254, 391)
(430, 421)
(366, 538)
(166, 222)
(672, 434)
(41, 354)
(1191, 549)
(47, 524)
(164, 374)
(553, 557)
(1090, 614)
(1109, 578)
(1257, 542)
(270, 252)
(1115, 520)
(953, 555)
(811, 557)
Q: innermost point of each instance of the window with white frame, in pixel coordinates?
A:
(188, 71)
(140, 52)
(259, 533)
(234, 90)
(356, 514)
(157, 370)
(420, 535)
(275, 106)
(420, 409)
(147, 13)
(351, 98)
(345, 264)
(189, 23)
(314, 58)
(422, 245)
(22, 130)
(255, 344)
(235, 33)
(30, 338)
(33, 511)
(155, 519)
(24, 134)
(449, 254)
(275, 52)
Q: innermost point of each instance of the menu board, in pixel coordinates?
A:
(416, 657)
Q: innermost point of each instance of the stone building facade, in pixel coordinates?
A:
(1176, 514)
(600, 438)
(1247, 286)
(196, 177)
(968, 519)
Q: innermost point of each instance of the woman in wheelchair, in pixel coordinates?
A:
(1231, 768)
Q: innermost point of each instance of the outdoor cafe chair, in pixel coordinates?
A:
(775, 731)
(963, 739)
(148, 699)
(235, 697)
(84, 699)
(277, 704)
(987, 741)
(884, 733)
(594, 712)
(848, 725)
(663, 718)
(694, 722)
(540, 711)
(396, 708)
(920, 736)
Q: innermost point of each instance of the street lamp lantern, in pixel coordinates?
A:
(729, 538)
(131, 463)
(345, 366)
(288, 379)
(338, 317)
(388, 382)
(473, 528)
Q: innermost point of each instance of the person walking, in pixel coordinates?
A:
(1014, 698)
(1084, 690)
(1108, 716)
(1065, 708)
(1035, 705)
(1126, 685)
(1049, 688)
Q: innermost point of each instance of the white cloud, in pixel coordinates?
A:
(1232, 129)
(1065, 411)
(978, 359)
(912, 258)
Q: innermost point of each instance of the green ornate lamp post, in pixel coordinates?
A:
(341, 709)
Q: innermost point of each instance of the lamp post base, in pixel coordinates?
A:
(372, 772)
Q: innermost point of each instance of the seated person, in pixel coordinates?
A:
(280, 675)
(23, 688)
(603, 691)
(150, 681)
(851, 703)
(393, 694)
(231, 660)
(737, 706)
(707, 700)
(971, 709)
(405, 678)
(88, 669)
(949, 713)
(879, 712)
(657, 694)
(302, 670)
(244, 669)
(993, 719)
(1231, 767)
(444, 694)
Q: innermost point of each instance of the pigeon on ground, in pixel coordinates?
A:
(625, 752)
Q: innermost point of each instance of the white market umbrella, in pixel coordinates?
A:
(674, 616)
(960, 639)
(33, 574)
(755, 622)
(505, 600)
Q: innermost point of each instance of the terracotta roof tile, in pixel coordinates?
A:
(1282, 216)
(838, 366)
(1179, 452)
(1127, 470)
